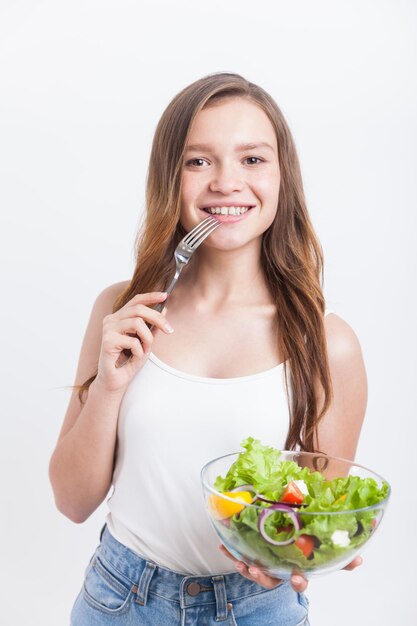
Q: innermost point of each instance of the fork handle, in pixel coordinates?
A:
(172, 284)
(158, 307)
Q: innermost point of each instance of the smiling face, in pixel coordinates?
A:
(231, 168)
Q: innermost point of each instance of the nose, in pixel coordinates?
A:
(226, 179)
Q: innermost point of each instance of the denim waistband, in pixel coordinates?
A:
(149, 578)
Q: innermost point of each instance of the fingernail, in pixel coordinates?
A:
(169, 328)
(297, 580)
(239, 567)
(253, 572)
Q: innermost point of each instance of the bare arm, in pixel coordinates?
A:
(81, 466)
(340, 428)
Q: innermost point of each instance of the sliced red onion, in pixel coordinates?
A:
(293, 504)
(283, 508)
(257, 496)
(244, 488)
(262, 499)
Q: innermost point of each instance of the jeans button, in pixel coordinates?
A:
(193, 589)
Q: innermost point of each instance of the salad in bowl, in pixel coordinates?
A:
(288, 511)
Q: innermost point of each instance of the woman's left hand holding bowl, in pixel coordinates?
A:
(253, 573)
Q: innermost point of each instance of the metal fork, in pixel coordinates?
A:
(185, 250)
(182, 253)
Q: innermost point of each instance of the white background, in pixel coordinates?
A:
(83, 85)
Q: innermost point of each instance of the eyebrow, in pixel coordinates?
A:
(240, 148)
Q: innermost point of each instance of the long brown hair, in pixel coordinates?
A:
(292, 258)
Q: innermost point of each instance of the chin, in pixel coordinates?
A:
(219, 242)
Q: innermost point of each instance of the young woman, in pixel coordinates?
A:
(213, 369)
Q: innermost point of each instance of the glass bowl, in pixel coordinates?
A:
(281, 541)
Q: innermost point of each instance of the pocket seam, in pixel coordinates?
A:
(231, 617)
(109, 577)
(113, 583)
(100, 607)
(112, 568)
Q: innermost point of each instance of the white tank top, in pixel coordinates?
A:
(170, 425)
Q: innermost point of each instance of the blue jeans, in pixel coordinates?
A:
(122, 588)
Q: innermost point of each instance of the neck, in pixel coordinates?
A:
(217, 278)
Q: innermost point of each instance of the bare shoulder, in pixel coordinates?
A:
(107, 297)
(342, 342)
(103, 306)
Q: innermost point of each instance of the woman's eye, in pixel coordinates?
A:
(254, 160)
(196, 162)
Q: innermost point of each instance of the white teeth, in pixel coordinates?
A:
(228, 210)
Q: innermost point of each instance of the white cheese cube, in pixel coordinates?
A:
(302, 487)
(341, 538)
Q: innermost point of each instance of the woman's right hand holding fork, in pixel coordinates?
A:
(128, 329)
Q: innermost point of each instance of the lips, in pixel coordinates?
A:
(227, 209)
(230, 218)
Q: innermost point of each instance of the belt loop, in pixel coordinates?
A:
(144, 582)
(221, 599)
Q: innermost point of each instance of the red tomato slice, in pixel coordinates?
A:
(306, 544)
(292, 494)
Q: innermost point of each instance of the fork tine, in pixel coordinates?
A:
(197, 239)
(198, 228)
